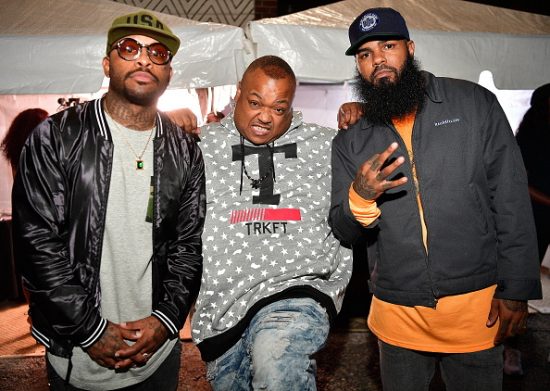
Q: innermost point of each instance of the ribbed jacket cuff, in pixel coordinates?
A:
(44, 340)
(172, 329)
(95, 335)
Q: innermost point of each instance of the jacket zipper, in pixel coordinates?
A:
(415, 177)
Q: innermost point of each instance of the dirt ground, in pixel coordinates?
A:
(335, 369)
(349, 362)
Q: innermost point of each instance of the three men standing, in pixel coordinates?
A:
(109, 206)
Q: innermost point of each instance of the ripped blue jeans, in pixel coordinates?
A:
(275, 351)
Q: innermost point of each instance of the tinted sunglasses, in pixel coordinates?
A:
(129, 49)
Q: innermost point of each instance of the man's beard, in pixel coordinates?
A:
(388, 100)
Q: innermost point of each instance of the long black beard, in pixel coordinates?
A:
(388, 100)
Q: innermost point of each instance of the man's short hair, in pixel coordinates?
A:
(541, 95)
(273, 66)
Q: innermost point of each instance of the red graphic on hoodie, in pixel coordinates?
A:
(265, 214)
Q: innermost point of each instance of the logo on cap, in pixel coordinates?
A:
(368, 22)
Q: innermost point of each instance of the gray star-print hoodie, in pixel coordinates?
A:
(263, 245)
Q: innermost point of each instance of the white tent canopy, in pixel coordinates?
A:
(56, 47)
(453, 38)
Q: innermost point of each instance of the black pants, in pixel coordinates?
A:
(165, 377)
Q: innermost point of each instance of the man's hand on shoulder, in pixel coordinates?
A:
(349, 113)
(186, 119)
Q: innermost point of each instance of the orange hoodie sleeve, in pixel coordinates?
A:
(365, 211)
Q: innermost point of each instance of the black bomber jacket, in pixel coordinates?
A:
(59, 203)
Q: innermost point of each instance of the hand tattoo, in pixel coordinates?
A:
(375, 166)
(362, 188)
(103, 350)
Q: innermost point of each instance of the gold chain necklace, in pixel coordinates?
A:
(139, 158)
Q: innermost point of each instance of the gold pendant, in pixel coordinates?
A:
(139, 164)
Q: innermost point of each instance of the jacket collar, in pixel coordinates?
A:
(433, 90)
